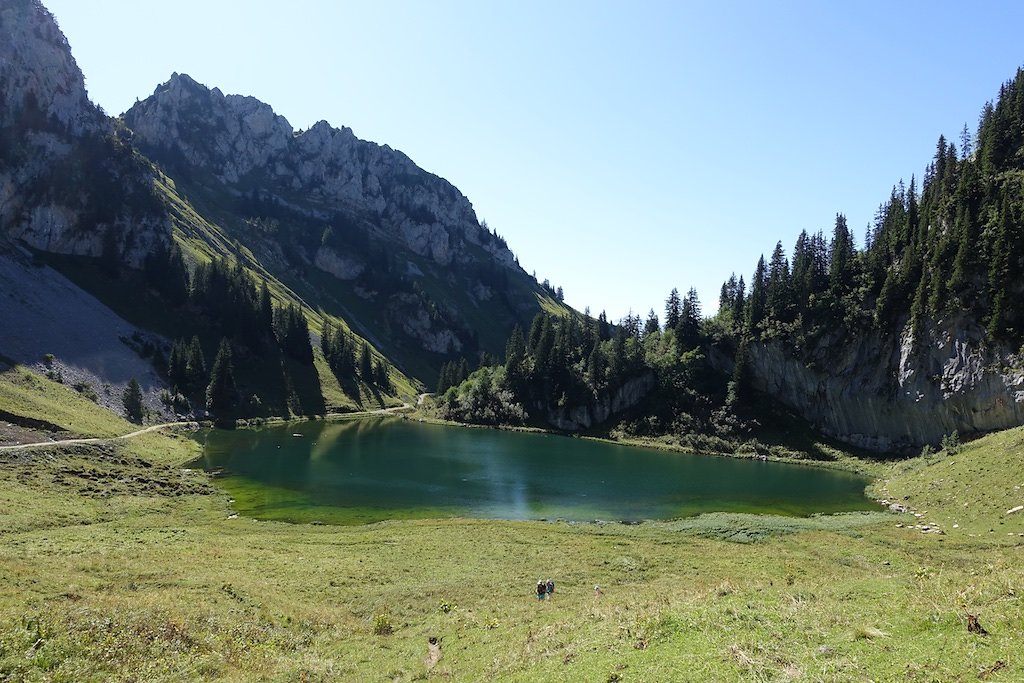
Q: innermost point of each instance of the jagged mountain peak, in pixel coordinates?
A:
(386, 232)
(323, 171)
(67, 183)
(38, 74)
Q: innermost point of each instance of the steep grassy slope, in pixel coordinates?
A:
(971, 492)
(120, 564)
(29, 399)
(376, 306)
(354, 228)
(201, 241)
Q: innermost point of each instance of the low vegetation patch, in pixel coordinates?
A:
(29, 399)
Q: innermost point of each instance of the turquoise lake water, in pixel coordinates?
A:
(370, 470)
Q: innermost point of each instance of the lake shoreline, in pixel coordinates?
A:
(351, 471)
(848, 462)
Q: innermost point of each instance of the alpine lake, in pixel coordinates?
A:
(374, 469)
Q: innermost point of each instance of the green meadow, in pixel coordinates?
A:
(120, 563)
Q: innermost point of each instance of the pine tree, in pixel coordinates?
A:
(757, 300)
(266, 309)
(195, 366)
(337, 351)
(727, 294)
(739, 300)
(999, 273)
(777, 296)
(444, 380)
(381, 377)
(365, 363)
(597, 365)
(604, 331)
(327, 339)
(293, 333)
(176, 366)
(132, 399)
(965, 143)
(841, 257)
(739, 385)
(221, 392)
(688, 330)
(652, 325)
(673, 309)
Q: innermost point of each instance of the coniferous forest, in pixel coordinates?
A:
(950, 246)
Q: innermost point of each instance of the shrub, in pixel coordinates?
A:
(382, 625)
(951, 443)
(85, 389)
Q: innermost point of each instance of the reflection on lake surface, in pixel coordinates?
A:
(374, 469)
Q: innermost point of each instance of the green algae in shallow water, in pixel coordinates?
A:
(371, 470)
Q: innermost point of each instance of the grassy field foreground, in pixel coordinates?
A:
(118, 563)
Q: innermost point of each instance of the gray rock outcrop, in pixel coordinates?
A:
(576, 418)
(38, 74)
(886, 394)
(67, 185)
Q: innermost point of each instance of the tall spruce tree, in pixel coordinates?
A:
(673, 309)
(652, 325)
(221, 392)
(756, 302)
(365, 364)
(132, 400)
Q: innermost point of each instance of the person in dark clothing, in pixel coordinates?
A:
(549, 588)
(542, 589)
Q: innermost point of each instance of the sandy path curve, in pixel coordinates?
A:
(98, 439)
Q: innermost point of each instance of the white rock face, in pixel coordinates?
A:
(416, 323)
(48, 186)
(884, 396)
(341, 267)
(239, 138)
(36, 68)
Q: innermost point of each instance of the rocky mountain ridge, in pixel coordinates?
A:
(409, 264)
(38, 72)
(321, 171)
(68, 184)
(352, 230)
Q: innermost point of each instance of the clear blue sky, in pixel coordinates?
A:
(622, 149)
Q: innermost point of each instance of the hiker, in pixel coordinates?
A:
(542, 589)
(550, 588)
(597, 591)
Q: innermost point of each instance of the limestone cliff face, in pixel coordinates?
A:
(67, 184)
(575, 418)
(38, 73)
(244, 144)
(884, 394)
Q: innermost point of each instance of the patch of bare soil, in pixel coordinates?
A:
(14, 435)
